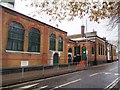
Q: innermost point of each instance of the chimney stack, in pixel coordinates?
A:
(82, 31)
(104, 38)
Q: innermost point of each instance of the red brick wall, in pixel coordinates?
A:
(100, 57)
(1, 37)
(13, 59)
(88, 46)
(114, 53)
(71, 45)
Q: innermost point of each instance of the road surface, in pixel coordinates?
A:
(102, 76)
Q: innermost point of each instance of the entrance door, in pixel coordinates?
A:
(55, 59)
(84, 57)
(69, 58)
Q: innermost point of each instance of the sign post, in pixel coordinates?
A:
(23, 64)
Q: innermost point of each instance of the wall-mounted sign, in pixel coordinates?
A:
(24, 63)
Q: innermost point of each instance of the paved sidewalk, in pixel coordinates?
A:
(14, 78)
(38, 74)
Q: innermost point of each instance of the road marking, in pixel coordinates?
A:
(93, 74)
(41, 87)
(66, 84)
(107, 73)
(39, 80)
(28, 86)
(112, 84)
(61, 75)
(113, 69)
(44, 87)
(30, 82)
(117, 74)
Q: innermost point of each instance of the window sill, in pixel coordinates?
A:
(93, 55)
(22, 52)
(52, 50)
(55, 51)
(60, 51)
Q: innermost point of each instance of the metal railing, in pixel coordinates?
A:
(15, 75)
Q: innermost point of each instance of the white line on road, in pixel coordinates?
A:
(28, 86)
(93, 74)
(40, 80)
(41, 88)
(113, 69)
(111, 85)
(107, 73)
(43, 79)
(44, 86)
(66, 84)
(117, 74)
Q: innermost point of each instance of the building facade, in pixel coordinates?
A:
(92, 48)
(28, 42)
(26, 39)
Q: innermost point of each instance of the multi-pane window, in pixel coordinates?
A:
(15, 37)
(34, 40)
(77, 50)
(114, 52)
(52, 42)
(93, 51)
(99, 49)
(103, 49)
(60, 44)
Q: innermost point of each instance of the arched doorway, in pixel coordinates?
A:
(55, 59)
(69, 56)
(84, 56)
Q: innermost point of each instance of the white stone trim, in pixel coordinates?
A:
(53, 52)
(69, 53)
(22, 52)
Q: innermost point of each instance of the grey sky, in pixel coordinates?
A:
(72, 27)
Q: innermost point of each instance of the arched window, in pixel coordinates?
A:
(84, 56)
(34, 40)
(70, 50)
(52, 42)
(15, 37)
(60, 44)
(69, 56)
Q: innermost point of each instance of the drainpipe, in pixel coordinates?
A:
(95, 62)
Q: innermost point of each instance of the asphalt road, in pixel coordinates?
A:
(103, 76)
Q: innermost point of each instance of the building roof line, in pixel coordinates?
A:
(31, 18)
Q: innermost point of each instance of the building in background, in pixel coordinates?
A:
(92, 48)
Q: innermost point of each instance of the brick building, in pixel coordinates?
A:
(92, 48)
(27, 40)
